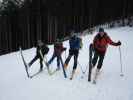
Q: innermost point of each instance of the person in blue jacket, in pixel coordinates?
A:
(75, 45)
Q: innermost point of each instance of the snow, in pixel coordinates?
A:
(14, 84)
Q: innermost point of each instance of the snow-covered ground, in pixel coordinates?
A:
(14, 84)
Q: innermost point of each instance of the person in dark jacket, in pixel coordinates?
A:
(100, 44)
(75, 45)
(58, 49)
(40, 49)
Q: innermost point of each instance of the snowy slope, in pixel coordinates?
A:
(14, 84)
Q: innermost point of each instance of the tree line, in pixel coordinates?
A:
(23, 22)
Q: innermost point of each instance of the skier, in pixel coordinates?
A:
(58, 49)
(41, 48)
(75, 44)
(100, 44)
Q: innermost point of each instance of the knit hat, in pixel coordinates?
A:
(40, 42)
(101, 30)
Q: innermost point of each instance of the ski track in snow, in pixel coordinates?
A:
(14, 84)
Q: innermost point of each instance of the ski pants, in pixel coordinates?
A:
(75, 54)
(100, 60)
(35, 58)
(58, 59)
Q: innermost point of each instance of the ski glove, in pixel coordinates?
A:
(119, 43)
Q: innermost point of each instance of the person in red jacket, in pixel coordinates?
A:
(58, 49)
(100, 44)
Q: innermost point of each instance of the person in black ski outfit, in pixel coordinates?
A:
(40, 49)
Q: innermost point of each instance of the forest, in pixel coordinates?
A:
(23, 22)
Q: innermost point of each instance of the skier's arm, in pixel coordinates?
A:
(113, 43)
(95, 42)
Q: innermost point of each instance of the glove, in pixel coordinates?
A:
(64, 49)
(119, 43)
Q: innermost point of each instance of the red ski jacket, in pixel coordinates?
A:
(58, 48)
(100, 44)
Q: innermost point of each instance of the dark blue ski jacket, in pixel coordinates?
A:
(74, 43)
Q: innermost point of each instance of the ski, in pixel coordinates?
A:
(64, 72)
(53, 72)
(25, 64)
(35, 74)
(90, 62)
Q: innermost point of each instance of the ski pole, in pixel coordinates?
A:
(81, 67)
(83, 72)
(65, 54)
(121, 74)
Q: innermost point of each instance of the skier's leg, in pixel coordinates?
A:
(33, 60)
(67, 61)
(99, 66)
(68, 58)
(100, 62)
(75, 63)
(75, 59)
(53, 56)
(41, 64)
(58, 62)
(94, 59)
